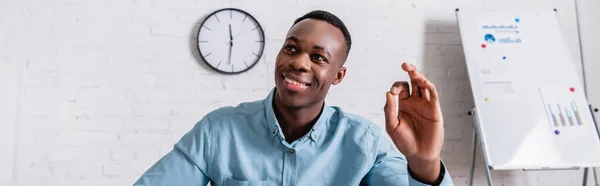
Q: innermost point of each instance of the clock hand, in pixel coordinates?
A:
(230, 45)
(230, 36)
(229, 59)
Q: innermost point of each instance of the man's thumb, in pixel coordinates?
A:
(391, 111)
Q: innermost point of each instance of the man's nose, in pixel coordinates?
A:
(301, 63)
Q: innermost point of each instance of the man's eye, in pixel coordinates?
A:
(317, 57)
(290, 48)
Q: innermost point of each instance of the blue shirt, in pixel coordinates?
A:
(244, 145)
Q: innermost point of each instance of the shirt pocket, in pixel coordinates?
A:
(234, 182)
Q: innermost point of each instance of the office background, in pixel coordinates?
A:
(95, 92)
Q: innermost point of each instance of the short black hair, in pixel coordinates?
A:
(331, 19)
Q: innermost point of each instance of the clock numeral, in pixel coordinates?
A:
(230, 12)
(207, 54)
(254, 28)
(217, 18)
(231, 68)
(206, 27)
(244, 18)
(202, 41)
(218, 64)
(260, 41)
(256, 54)
(246, 64)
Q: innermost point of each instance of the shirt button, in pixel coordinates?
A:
(273, 132)
(292, 151)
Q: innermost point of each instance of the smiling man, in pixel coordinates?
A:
(293, 137)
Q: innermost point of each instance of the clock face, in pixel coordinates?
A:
(230, 41)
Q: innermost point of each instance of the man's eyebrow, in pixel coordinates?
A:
(293, 38)
(323, 49)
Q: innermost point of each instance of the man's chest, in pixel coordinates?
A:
(326, 161)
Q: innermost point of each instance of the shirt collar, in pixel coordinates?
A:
(275, 129)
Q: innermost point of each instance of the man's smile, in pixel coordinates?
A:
(295, 82)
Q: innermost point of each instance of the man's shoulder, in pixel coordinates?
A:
(220, 120)
(243, 109)
(355, 121)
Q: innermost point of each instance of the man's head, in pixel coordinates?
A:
(311, 59)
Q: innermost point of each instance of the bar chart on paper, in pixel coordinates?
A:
(565, 114)
(563, 106)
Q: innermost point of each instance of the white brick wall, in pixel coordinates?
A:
(97, 91)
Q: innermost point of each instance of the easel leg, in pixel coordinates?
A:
(473, 158)
(595, 178)
(475, 141)
(489, 175)
(593, 111)
(585, 173)
(585, 176)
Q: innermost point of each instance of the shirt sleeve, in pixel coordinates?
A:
(391, 168)
(186, 164)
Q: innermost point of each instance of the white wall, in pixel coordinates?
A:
(99, 90)
(8, 113)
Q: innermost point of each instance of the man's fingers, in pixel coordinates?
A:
(432, 91)
(424, 93)
(413, 73)
(423, 89)
(404, 94)
(415, 79)
(391, 114)
(401, 89)
(408, 67)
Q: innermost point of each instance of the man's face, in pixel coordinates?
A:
(309, 62)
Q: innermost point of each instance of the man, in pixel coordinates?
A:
(293, 138)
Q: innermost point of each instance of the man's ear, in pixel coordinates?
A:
(339, 76)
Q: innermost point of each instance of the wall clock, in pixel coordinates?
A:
(230, 41)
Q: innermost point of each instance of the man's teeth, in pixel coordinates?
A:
(290, 81)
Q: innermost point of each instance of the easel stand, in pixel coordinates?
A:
(488, 169)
